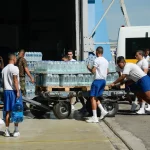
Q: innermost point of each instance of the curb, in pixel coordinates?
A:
(132, 142)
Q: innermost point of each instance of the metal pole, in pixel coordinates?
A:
(84, 28)
(101, 18)
(77, 13)
(124, 11)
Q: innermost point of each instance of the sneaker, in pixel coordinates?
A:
(134, 106)
(103, 114)
(148, 108)
(140, 111)
(16, 134)
(1, 122)
(92, 120)
(7, 133)
(72, 107)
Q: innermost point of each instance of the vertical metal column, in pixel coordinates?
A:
(77, 24)
(84, 28)
(124, 11)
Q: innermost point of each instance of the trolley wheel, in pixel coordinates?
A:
(36, 111)
(62, 110)
(111, 108)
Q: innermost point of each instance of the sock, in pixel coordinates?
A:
(136, 101)
(94, 113)
(7, 128)
(101, 107)
(16, 128)
(143, 105)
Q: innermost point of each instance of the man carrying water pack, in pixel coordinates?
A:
(10, 79)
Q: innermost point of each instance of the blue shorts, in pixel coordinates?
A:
(142, 85)
(10, 99)
(97, 88)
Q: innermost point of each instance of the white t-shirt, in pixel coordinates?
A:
(101, 65)
(143, 64)
(72, 60)
(7, 76)
(118, 69)
(133, 71)
(147, 58)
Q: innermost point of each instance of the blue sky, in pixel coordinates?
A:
(138, 12)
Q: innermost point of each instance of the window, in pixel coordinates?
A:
(134, 44)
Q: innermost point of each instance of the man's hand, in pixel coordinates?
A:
(18, 94)
(111, 85)
(88, 67)
(32, 80)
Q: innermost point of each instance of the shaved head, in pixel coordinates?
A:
(11, 57)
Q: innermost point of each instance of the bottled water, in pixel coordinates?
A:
(112, 66)
(33, 56)
(109, 79)
(116, 76)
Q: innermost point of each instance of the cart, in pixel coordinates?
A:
(57, 99)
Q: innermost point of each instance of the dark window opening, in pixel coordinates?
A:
(46, 26)
(134, 44)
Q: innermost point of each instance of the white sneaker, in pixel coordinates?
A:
(16, 134)
(7, 133)
(148, 108)
(103, 114)
(140, 111)
(1, 122)
(92, 120)
(134, 106)
(72, 107)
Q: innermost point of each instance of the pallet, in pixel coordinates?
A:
(66, 89)
(69, 88)
(1, 106)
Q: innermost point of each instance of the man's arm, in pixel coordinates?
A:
(24, 63)
(120, 79)
(28, 73)
(145, 70)
(93, 70)
(16, 84)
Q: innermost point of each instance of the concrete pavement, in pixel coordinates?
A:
(54, 134)
(132, 128)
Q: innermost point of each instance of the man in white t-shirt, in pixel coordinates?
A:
(143, 64)
(147, 57)
(140, 80)
(70, 55)
(70, 58)
(146, 54)
(10, 79)
(100, 69)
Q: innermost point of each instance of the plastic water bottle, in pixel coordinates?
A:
(113, 66)
(109, 79)
(116, 76)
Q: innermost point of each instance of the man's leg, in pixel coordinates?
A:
(94, 118)
(16, 131)
(23, 91)
(103, 111)
(7, 121)
(142, 107)
(145, 96)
